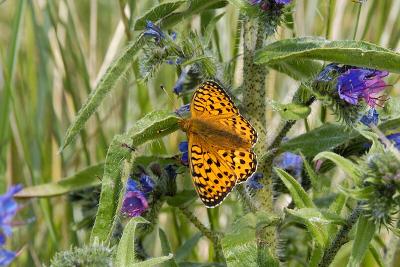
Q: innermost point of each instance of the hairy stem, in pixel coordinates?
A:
(247, 202)
(340, 239)
(254, 34)
(212, 236)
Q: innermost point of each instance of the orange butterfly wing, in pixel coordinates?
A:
(215, 169)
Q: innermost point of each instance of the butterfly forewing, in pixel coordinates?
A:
(210, 101)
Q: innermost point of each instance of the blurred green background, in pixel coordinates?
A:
(52, 54)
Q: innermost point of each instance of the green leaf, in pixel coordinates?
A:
(300, 197)
(376, 254)
(85, 178)
(182, 198)
(364, 234)
(114, 72)
(166, 248)
(184, 251)
(152, 126)
(153, 261)
(315, 223)
(195, 7)
(326, 137)
(110, 188)
(291, 111)
(315, 180)
(356, 53)
(300, 70)
(210, 28)
(126, 248)
(346, 165)
(156, 13)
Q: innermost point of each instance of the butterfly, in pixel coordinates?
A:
(220, 144)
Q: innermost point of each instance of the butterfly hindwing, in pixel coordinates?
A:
(242, 162)
(212, 178)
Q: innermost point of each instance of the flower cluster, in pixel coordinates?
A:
(380, 190)
(8, 209)
(136, 196)
(354, 91)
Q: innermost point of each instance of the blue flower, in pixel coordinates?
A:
(253, 181)
(361, 83)
(147, 184)
(290, 162)
(178, 88)
(372, 117)
(182, 111)
(171, 171)
(328, 73)
(8, 209)
(395, 138)
(6, 256)
(135, 202)
(154, 31)
(183, 147)
(282, 2)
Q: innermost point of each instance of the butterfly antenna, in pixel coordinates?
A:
(165, 91)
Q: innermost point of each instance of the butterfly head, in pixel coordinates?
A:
(185, 124)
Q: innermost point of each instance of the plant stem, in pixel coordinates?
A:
(340, 239)
(212, 236)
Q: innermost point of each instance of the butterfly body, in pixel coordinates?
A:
(220, 144)
(214, 134)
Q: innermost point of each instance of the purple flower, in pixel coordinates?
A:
(290, 162)
(154, 31)
(253, 181)
(178, 88)
(372, 117)
(6, 256)
(183, 147)
(135, 202)
(361, 83)
(395, 138)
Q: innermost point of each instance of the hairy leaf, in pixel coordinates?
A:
(158, 12)
(356, 53)
(110, 188)
(346, 165)
(114, 72)
(126, 248)
(85, 178)
(300, 197)
(364, 234)
(326, 137)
